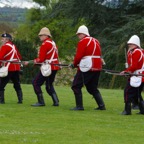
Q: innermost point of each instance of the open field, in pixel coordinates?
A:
(23, 124)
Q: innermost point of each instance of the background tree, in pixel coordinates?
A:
(111, 22)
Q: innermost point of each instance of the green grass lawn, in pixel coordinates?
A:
(23, 124)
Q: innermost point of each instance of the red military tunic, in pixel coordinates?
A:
(85, 49)
(4, 55)
(46, 52)
(135, 60)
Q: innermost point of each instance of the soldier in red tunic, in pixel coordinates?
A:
(9, 52)
(135, 59)
(89, 50)
(47, 50)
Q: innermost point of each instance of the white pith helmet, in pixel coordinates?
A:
(134, 40)
(45, 31)
(83, 29)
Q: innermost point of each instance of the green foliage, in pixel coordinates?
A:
(111, 22)
(48, 4)
(115, 55)
(33, 15)
(62, 31)
(64, 37)
(42, 2)
(65, 75)
(28, 52)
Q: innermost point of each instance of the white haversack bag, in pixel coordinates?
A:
(135, 81)
(46, 69)
(85, 64)
(3, 71)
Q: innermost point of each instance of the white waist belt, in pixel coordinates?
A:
(49, 60)
(92, 56)
(14, 59)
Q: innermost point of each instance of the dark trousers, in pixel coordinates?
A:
(132, 93)
(14, 77)
(89, 79)
(140, 91)
(39, 80)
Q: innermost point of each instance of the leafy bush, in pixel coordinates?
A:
(65, 75)
(28, 52)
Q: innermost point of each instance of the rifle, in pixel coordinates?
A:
(126, 63)
(31, 62)
(113, 72)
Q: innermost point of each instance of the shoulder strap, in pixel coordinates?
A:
(142, 68)
(10, 51)
(141, 53)
(94, 47)
(13, 50)
(92, 39)
(53, 44)
(53, 48)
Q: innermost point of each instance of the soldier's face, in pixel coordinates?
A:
(131, 46)
(42, 37)
(81, 36)
(4, 40)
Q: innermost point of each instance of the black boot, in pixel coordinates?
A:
(20, 96)
(40, 101)
(141, 107)
(79, 103)
(99, 101)
(127, 110)
(55, 99)
(135, 104)
(2, 101)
